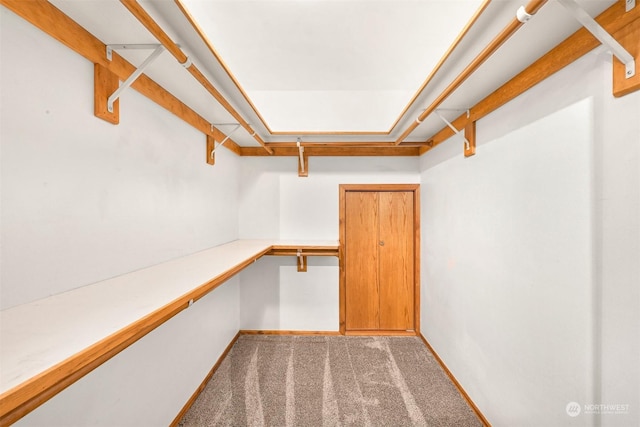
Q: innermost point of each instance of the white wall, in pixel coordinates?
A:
(531, 253)
(75, 187)
(83, 200)
(148, 383)
(276, 203)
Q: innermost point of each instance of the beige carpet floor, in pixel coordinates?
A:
(329, 381)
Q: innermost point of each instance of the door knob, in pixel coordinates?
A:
(381, 242)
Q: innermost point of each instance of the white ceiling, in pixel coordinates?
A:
(330, 67)
(312, 65)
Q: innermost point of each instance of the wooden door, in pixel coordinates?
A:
(361, 260)
(379, 260)
(395, 271)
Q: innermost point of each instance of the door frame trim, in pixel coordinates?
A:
(415, 188)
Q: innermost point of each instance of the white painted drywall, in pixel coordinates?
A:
(618, 257)
(149, 382)
(74, 187)
(273, 294)
(531, 258)
(83, 200)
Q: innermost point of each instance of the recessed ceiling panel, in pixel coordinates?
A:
(331, 65)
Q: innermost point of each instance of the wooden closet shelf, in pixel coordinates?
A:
(50, 343)
(292, 249)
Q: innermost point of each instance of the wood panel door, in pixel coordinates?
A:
(361, 260)
(395, 266)
(379, 240)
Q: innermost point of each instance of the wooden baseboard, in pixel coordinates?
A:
(453, 379)
(275, 332)
(195, 394)
(380, 332)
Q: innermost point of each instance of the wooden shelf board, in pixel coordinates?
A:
(50, 343)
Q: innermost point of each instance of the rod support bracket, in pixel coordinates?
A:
(630, 69)
(226, 138)
(187, 63)
(303, 161)
(302, 261)
(602, 35)
(629, 4)
(522, 15)
(158, 49)
(467, 144)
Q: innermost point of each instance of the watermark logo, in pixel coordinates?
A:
(573, 409)
(607, 409)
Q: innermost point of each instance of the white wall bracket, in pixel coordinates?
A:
(302, 261)
(602, 35)
(300, 155)
(226, 138)
(132, 78)
(140, 46)
(630, 4)
(452, 127)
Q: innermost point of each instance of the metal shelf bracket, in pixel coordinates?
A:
(226, 138)
(300, 154)
(452, 127)
(132, 78)
(602, 35)
(139, 46)
(630, 4)
(303, 161)
(302, 261)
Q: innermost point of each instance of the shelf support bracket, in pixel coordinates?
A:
(602, 35)
(303, 161)
(211, 143)
(302, 262)
(132, 78)
(140, 46)
(470, 135)
(467, 143)
(105, 83)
